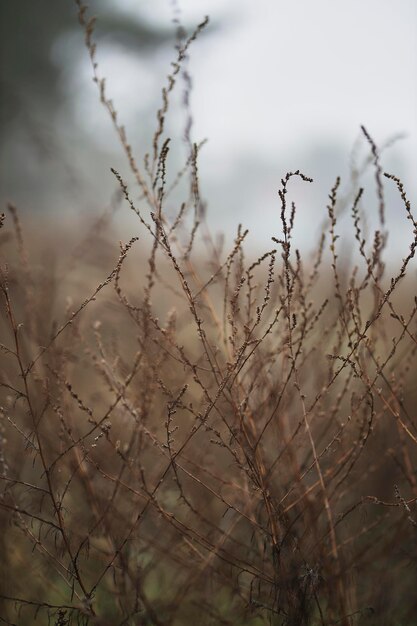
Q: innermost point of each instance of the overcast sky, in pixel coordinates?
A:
(283, 84)
(282, 72)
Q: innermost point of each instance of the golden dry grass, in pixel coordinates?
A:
(206, 437)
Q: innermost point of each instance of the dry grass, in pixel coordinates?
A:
(206, 438)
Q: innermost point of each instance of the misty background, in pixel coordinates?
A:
(276, 86)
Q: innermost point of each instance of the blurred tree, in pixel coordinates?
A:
(29, 77)
(46, 159)
(36, 160)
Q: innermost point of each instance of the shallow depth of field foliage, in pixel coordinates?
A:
(194, 434)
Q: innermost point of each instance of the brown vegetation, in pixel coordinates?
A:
(206, 438)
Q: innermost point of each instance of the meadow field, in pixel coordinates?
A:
(197, 433)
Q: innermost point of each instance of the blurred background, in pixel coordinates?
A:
(276, 86)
